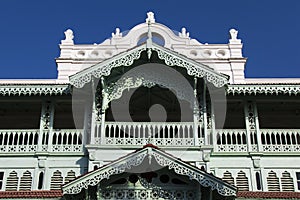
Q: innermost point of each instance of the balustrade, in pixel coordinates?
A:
(67, 141)
(280, 140)
(12, 141)
(157, 133)
(272, 140)
(27, 141)
(231, 140)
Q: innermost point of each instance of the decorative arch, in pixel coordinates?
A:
(133, 36)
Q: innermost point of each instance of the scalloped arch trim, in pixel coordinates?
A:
(170, 58)
(135, 159)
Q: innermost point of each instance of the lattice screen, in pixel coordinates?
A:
(26, 181)
(242, 181)
(12, 181)
(287, 183)
(228, 178)
(56, 180)
(273, 182)
(70, 176)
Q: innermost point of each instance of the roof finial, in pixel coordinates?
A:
(233, 37)
(69, 37)
(150, 17)
(149, 21)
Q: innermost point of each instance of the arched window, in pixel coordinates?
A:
(258, 181)
(41, 180)
(156, 38)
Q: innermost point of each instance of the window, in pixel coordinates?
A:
(41, 180)
(1, 179)
(258, 183)
(298, 179)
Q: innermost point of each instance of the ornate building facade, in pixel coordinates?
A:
(150, 114)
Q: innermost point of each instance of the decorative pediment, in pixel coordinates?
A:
(135, 159)
(169, 57)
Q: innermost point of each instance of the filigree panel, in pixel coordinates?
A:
(193, 174)
(80, 79)
(31, 90)
(263, 89)
(163, 160)
(192, 69)
(104, 69)
(117, 168)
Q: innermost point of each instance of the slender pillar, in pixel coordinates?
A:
(93, 120)
(196, 115)
(46, 124)
(87, 122)
(205, 114)
(252, 125)
(213, 136)
(103, 108)
(258, 134)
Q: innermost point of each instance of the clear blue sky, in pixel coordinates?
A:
(31, 30)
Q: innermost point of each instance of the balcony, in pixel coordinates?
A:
(162, 134)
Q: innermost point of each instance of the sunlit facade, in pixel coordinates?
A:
(150, 114)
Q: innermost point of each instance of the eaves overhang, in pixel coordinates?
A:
(263, 89)
(34, 89)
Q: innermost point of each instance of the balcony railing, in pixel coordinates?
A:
(272, 140)
(31, 141)
(280, 140)
(157, 133)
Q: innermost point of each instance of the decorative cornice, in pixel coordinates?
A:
(135, 159)
(32, 89)
(263, 89)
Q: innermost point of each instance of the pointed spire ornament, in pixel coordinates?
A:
(149, 21)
